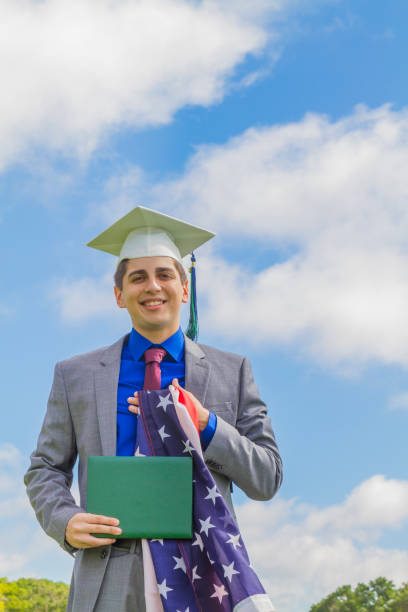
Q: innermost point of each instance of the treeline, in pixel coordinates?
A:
(31, 595)
(379, 595)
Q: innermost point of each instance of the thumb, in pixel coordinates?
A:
(175, 382)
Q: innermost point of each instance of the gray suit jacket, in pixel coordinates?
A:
(81, 421)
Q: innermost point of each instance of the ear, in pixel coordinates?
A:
(184, 298)
(119, 297)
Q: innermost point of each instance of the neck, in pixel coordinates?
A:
(156, 336)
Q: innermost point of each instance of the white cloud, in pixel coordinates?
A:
(85, 297)
(302, 553)
(13, 501)
(25, 550)
(121, 192)
(304, 181)
(398, 402)
(329, 198)
(9, 455)
(344, 307)
(73, 70)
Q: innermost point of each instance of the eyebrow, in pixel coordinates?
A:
(157, 270)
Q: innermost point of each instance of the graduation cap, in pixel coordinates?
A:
(143, 232)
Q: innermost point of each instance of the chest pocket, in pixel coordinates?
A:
(225, 410)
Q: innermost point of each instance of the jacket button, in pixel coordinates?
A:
(103, 554)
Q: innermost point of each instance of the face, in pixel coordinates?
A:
(153, 293)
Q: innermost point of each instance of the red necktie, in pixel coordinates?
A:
(153, 358)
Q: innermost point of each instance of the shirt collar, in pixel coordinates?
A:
(174, 345)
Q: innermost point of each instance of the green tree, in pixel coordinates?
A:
(400, 603)
(2, 595)
(339, 601)
(33, 595)
(378, 595)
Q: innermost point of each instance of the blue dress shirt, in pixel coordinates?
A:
(131, 378)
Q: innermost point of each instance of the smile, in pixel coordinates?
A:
(153, 303)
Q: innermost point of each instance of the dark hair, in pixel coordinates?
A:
(121, 271)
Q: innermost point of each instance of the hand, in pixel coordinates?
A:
(81, 525)
(202, 413)
(134, 403)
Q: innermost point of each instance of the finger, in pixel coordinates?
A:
(175, 382)
(133, 400)
(133, 404)
(100, 541)
(81, 529)
(114, 531)
(93, 542)
(101, 519)
(89, 541)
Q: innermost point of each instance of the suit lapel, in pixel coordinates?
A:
(197, 370)
(106, 377)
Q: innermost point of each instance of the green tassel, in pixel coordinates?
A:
(192, 329)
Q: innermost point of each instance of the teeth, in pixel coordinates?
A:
(153, 303)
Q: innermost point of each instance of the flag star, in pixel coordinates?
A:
(234, 540)
(163, 434)
(138, 453)
(219, 592)
(186, 610)
(212, 494)
(180, 564)
(229, 571)
(163, 589)
(195, 575)
(187, 447)
(158, 540)
(198, 541)
(164, 402)
(206, 525)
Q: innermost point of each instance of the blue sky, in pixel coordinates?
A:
(283, 126)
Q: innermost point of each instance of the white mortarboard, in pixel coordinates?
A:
(146, 233)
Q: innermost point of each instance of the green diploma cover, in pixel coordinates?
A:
(151, 496)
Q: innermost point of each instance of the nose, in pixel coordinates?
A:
(153, 284)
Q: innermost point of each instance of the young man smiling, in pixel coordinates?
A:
(152, 291)
(93, 406)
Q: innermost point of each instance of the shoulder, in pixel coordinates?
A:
(104, 355)
(219, 357)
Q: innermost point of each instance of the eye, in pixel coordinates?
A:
(136, 279)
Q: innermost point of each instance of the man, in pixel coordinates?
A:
(93, 405)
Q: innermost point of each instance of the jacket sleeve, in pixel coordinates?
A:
(247, 453)
(49, 477)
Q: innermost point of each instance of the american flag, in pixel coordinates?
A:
(212, 571)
